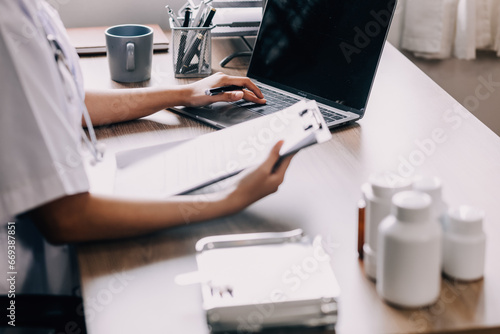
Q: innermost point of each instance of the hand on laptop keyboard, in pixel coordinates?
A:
(198, 97)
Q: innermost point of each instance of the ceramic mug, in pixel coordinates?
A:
(130, 52)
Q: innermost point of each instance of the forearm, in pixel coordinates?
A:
(118, 105)
(86, 217)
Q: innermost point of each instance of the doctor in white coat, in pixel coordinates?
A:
(43, 184)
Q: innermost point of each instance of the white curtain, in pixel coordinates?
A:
(448, 28)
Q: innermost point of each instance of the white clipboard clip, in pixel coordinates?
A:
(314, 128)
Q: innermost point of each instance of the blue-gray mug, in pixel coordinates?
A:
(130, 52)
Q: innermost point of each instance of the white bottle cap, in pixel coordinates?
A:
(386, 184)
(412, 206)
(465, 220)
(430, 185)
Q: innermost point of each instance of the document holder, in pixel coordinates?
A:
(256, 281)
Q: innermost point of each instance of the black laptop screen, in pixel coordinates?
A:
(325, 48)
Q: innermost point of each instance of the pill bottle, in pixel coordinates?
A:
(409, 253)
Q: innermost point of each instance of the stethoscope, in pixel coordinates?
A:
(96, 148)
(69, 78)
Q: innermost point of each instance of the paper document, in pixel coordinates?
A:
(189, 165)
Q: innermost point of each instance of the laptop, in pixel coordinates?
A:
(323, 50)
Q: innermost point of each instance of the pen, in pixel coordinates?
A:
(187, 16)
(193, 68)
(199, 15)
(191, 51)
(210, 16)
(182, 42)
(220, 90)
(198, 19)
(201, 57)
(172, 16)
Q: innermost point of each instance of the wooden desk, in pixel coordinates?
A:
(128, 285)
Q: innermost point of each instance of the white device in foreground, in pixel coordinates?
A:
(260, 280)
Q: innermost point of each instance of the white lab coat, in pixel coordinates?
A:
(39, 142)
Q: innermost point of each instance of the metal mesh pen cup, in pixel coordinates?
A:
(192, 51)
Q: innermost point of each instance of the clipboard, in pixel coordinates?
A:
(251, 282)
(204, 160)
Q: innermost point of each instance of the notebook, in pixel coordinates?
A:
(320, 50)
(92, 40)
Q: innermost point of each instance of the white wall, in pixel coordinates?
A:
(87, 13)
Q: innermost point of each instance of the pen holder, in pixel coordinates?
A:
(192, 51)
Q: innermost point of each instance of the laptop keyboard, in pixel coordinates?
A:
(277, 101)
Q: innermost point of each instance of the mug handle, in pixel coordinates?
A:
(130, 66)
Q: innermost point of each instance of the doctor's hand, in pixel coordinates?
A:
(198, 97)
(261, 181)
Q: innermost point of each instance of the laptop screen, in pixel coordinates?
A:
(327, 50)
